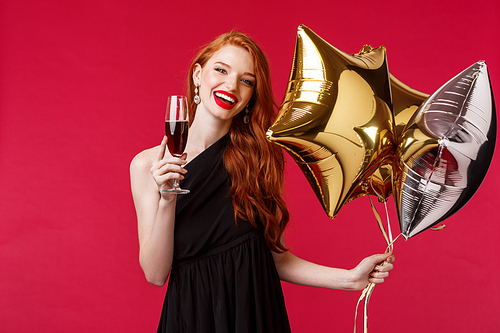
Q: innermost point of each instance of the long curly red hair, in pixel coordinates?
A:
(255, 165)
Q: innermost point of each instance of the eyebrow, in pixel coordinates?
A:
(223, 63)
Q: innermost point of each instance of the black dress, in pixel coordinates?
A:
(223, 278)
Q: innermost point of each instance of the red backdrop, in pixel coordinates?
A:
(83, 86)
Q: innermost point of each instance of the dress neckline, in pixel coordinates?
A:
(220, 142)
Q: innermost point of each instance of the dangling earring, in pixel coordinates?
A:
(196, 98)
(246, 118)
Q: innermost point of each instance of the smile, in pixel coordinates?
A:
(225, 100)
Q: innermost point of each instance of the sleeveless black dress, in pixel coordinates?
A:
(223, 278)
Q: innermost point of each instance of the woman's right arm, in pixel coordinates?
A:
(150, 172)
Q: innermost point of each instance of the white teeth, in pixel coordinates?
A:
(224, 97)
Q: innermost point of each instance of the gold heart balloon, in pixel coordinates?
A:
(336, 120)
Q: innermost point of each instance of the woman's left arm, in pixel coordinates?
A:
(298, 271)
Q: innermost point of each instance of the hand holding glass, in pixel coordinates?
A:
(176, 130)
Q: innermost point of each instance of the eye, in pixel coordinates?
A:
(248, 82)
(221, 70)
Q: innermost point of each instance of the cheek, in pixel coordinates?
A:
(248, 95)
(209, 81)
(204, 92)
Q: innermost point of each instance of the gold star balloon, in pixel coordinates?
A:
(336, 120)
(405, 102)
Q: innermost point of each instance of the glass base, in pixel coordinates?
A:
(177, 191)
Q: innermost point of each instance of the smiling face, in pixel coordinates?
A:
(227, 82)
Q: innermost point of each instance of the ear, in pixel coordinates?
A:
(197, 74)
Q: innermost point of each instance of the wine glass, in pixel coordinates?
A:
(176, 130)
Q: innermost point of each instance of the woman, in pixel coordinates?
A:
(222, 245)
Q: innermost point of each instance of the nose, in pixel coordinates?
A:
(231, 83)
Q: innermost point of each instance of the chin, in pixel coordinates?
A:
(224, 116)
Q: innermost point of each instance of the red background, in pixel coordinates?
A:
(83, 86)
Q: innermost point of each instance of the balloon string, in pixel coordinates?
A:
(388, 237)
(389, 227)
(439, 227)
(379, 221)
(367, 292)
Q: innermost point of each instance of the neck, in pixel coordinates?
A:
(203, 132)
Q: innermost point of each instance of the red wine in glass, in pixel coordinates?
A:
(176, 130)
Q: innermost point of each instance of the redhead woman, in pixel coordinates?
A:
(221, 246)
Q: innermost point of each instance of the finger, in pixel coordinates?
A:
(379, 259)
(172, 167)
(168, 164)
(163, 146)
(375, 280)
(379, 275)
(387, 257)
(384, 268)
(164, 179)
(184, 157)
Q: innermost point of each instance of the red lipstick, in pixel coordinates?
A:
(225, 100)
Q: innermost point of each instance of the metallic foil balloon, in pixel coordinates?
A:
(445, 151)
(336, 120)
(405, 102)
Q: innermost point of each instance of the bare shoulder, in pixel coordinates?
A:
(144, 160)
(141, 179)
